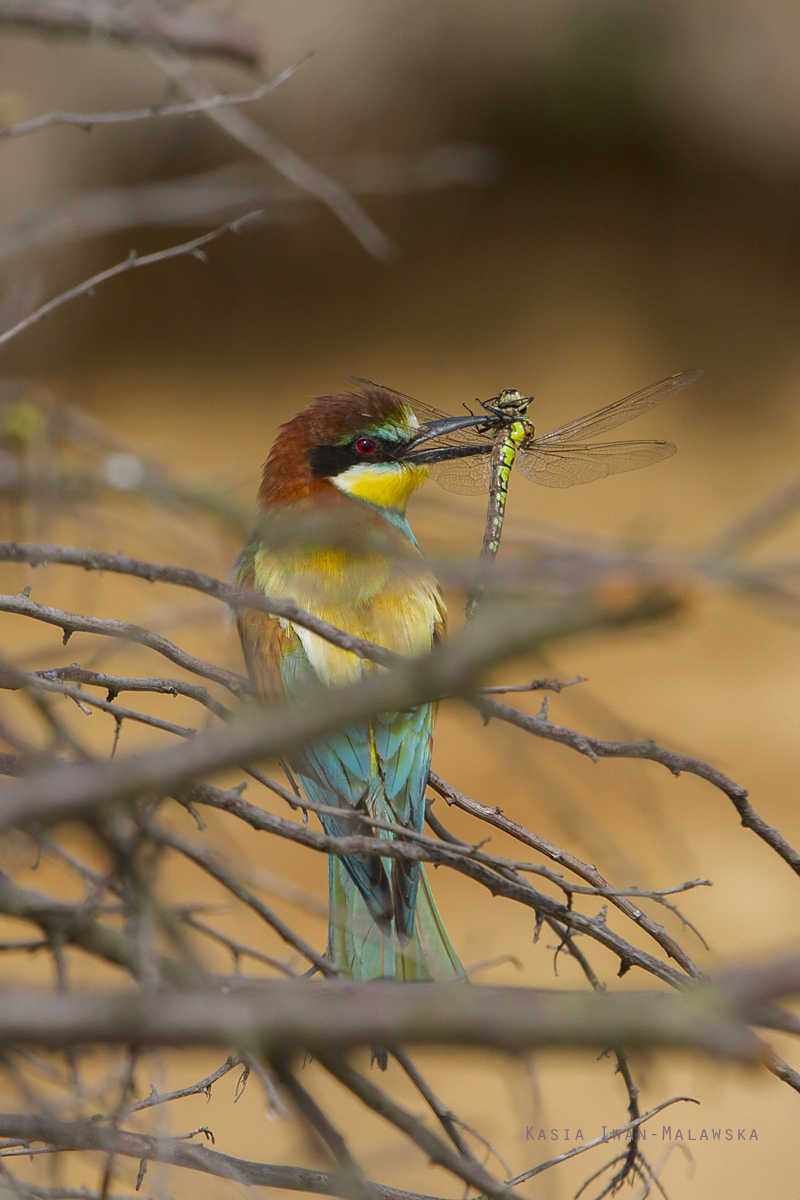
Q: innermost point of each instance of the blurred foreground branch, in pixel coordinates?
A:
(277, 1015)
(186, 31)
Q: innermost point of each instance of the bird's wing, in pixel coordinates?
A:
(265, 641)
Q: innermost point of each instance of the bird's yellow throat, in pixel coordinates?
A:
(388, 485)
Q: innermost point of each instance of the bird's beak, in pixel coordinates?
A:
(418, 452)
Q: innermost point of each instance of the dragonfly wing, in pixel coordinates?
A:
(466, 476)
(567, 465)
(620, 411)
(425, 413)
(368, 385)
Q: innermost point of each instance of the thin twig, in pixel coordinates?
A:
(203, 1087)
(470, 1170)
(450, 1122)
(536, 685)
(599, 1141)
(235, 597)
(465, 863)
(352, 1176)
(308, 178)
(87, 121)
(131, 263)
(493, 816)
(83, 1135)
(116, 684)
(119, 713)
(676, 764)
(202, 858)
(71, 623)
(237, 949)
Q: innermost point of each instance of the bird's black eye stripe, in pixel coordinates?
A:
(327, 461)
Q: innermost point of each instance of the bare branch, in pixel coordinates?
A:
(185, 31)
(202, 1088)
(273, 1015)
(600, 1141)
(237, 949)
(493, 816)
(70, 623)
(451, 1124)
(539, 725)
(536, 685)
(202, 858)
(677, 764)
(756, 524)
(437, 1151)
(38, 683)
(131, 263)
(219, 194)
(87, 121)
(74, 925)
(255, 733)
(499, 882)
(352, 1175)
(84, 1135)
(235, 597)
(116, 684)
(301, 173)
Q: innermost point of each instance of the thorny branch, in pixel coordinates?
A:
(539, 725)
(677, 764)
(121, 919)
(70, 623)
(254, 1018)
(84, 1135)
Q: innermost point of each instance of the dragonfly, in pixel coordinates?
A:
(478, 456)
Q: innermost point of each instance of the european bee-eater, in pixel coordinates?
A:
(350, 460)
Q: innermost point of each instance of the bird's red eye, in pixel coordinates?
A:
(365, 446)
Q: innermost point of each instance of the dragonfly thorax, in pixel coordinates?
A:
(510, 402)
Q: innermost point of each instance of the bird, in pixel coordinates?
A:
(340, 473)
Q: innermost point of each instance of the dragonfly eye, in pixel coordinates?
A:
(365, 446)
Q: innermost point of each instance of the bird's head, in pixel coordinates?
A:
(362, 443)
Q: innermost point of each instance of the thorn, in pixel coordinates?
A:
(66, 635)
(117, 732)
(241, 1085)
(190, 808)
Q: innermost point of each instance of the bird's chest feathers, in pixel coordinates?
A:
(356, 593)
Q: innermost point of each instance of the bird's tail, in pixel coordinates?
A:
(364, 950)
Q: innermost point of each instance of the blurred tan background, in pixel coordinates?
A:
(631, 209)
